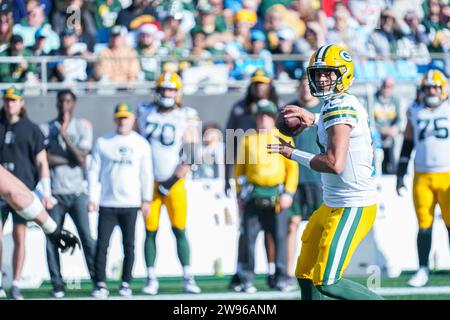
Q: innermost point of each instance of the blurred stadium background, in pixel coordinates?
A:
(49, 45)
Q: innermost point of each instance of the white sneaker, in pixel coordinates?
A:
(190, 286)
(151, 287)
(100, 292)
(420, 278)
(3, 293)
(125, 290)
(248, 287)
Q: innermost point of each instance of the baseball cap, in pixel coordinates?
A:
(13, 93)
(266, 106)
(246, 15)
(261, 76)
(258, 35)
(118, 31)
(122, 110)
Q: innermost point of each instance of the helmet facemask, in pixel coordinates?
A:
(163, 101)
(317, 87)
(432, 101)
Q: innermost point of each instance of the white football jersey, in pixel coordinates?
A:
(165, 132)
(431, 137)
(355, 186)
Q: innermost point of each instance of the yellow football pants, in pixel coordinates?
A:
(429, 189)
(175, 203)
(329, 241)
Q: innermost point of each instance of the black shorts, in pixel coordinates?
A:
(307, 199)
(17, 219)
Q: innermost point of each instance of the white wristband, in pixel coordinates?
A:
(46, 187)
(304, 158)
(33, 210)
(49, 226)
(316, 118)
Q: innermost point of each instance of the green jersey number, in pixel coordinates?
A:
(440, 128)
(167, 136)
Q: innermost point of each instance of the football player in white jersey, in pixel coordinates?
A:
(346, 166)
(427, 131)
(170, 130)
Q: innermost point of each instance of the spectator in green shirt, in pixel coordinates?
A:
(266, 4)
(214, 26)
(21, 71)
(149, 44)
(106, 13)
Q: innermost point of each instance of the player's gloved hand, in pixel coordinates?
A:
(164, 187)
(401, 188)
(64, 240)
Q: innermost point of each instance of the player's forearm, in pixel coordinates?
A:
(323, 163)
(405, 154)
(182, 170)
(147, 178)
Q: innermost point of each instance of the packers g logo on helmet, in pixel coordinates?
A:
(331, 58)
(433, 78)
(168, 80)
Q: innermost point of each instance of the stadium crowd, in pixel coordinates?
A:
(132, 39)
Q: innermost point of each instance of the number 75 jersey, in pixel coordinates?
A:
(165, 133)
(431, 137)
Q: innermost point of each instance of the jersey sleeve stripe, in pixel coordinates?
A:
(340, 112)
(333, 109)
(340, 116)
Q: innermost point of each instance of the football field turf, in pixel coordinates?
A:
(216, 288)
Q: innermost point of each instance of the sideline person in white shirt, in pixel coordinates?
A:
(121, 167)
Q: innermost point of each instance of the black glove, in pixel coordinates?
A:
(64, 240)
(164, 187)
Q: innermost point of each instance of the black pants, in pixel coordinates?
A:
(389, 165)
(255, 220)
(107, 220)
(76, 206)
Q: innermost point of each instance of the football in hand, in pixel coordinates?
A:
(289, 127)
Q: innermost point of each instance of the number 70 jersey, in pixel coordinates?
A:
(164, 132)
(431, 137)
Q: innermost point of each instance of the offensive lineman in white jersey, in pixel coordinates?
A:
(170, 130)
(427, 130)
(346, 166)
